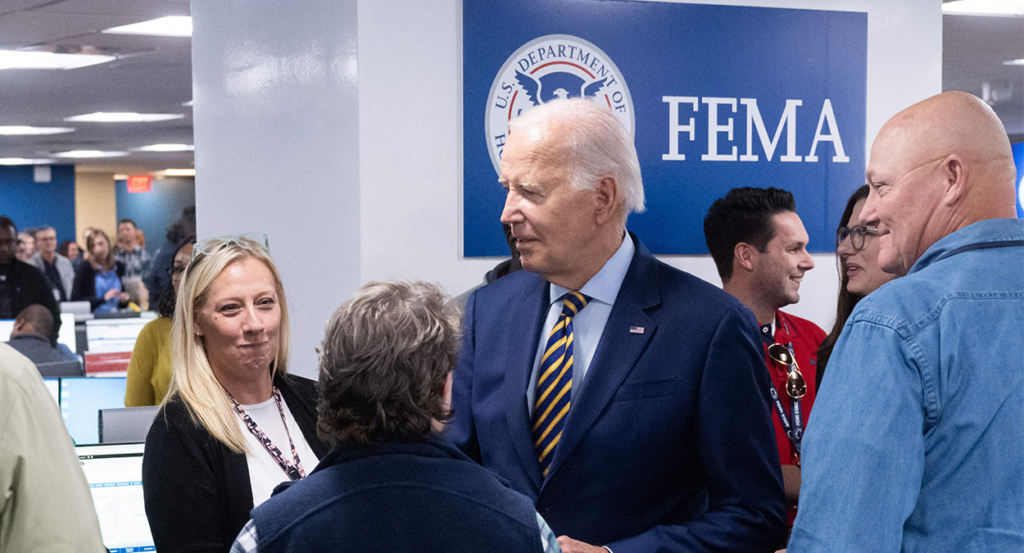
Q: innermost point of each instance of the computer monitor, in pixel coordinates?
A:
(114, 473)
(81, 400)
(113, 335)
(66, 334)
(53, 386)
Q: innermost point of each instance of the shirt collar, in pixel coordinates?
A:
(604, 286)
(991, 230)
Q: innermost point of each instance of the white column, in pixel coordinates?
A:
(276, 122)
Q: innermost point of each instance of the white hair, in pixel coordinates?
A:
(599, 146)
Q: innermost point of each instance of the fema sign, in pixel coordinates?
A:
(548, 68)
(716, 97)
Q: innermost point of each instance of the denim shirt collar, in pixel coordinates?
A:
(991, 230)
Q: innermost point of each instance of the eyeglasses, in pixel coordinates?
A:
(857, 234)
(252, 241)
(796, 386)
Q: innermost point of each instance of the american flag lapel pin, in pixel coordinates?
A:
(636, 330)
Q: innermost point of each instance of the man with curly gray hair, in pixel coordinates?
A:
(393, 482)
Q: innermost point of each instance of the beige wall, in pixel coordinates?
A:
(95, 204)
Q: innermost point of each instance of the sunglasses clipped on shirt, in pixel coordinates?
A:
(857, 234)
(796, 386)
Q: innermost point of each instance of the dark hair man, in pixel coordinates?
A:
(32, 329)
(21, 284)
(57, 268)
(393, 482)
(135, 258)
(627, 398)
(760, 249)
(918, 443)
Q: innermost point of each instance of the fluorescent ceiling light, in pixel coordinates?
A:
(180, 173)
(1014, 62)
(23, 161)
(17, 59)
(81, 154)
(187, 104)
(118, 176)
(166, 148)
(12, 130)
(124, 117)
(173, 25)
(984, 7)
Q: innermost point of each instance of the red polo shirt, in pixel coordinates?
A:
(805, 337)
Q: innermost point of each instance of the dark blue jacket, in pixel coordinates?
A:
(398, 496)
(668, 446)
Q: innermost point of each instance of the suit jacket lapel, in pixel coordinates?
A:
(526, 320)
(617, 352)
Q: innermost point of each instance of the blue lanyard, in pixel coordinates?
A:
(794, 427)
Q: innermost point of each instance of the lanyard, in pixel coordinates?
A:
(794, 428)
(294, 469)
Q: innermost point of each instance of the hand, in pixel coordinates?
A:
(111, 293)
(124, 298)
(781, 551)
(570, 545)
(791, 481)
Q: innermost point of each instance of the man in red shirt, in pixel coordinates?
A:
(760, 249)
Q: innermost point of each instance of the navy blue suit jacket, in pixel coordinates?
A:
(668, 446)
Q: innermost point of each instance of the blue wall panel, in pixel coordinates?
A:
(34, 204)
(155, 210)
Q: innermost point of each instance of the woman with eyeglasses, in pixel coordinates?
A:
(234, 424)
(859, 272)
(149, 371)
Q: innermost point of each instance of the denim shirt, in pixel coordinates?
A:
(918, 438)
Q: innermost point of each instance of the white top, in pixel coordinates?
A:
(264, 472)
(589, 324)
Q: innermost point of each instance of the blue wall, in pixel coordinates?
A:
(34, 204)
(155, 210)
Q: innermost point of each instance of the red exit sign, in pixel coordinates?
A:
(140, 183)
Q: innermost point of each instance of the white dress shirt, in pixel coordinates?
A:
(589, 324)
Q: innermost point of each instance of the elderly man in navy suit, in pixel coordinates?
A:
(627, 398)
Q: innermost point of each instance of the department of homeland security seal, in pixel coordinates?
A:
(549, 67)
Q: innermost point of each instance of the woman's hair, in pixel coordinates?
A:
(105, 264)
(170, 295)
(384, 363)
(847, 300)
(65, 246)
(192, 378)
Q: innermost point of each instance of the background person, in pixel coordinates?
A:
(660, 436)
(135, 258)
(759, 246)
(47, 505)
(234, 424)
(859, 273)
(71, 250)
(149, 370)
(57, 268)
(918, 440)
(182, 229)
(98, 281)
(21, 284)
(26, 246)
(31, 337)
(393, 482)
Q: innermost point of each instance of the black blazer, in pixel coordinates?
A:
(197, 491)
(84, 287)
(29, 286)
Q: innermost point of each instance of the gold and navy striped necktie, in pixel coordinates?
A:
(554, 384)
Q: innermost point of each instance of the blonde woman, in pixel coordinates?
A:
(234, 424)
